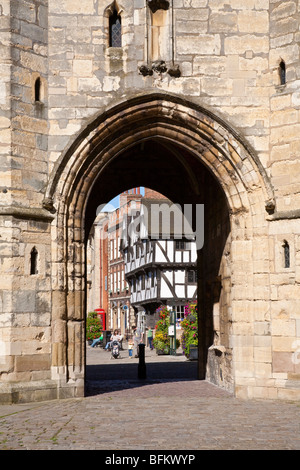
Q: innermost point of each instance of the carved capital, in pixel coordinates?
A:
(145, 70)
(155, 5)
(174, 71)
(48, 205)
(270, 206)
(159, 66)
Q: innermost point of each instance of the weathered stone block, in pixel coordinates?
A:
(223, 22)
(239, 44)
(253, 22)
(32, 362)
(282, 362)
(204, 45)
(76, 7)
(24, 301)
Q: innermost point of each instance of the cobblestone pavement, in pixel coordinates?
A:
(161, 412)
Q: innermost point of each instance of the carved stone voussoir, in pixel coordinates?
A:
(155, 5)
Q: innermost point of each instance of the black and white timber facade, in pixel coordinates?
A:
(160, 266)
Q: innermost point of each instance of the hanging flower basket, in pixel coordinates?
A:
(161, 340)
(189, 336)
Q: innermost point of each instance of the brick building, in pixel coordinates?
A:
(106, 283)
(120, 312)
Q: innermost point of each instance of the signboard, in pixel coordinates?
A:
(171, 330)
(100, 310)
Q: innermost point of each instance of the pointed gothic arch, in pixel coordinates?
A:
(221, 148)
(164, 120)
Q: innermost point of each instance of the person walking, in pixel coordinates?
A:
(138, 336)
(150, 337)
(130, 348)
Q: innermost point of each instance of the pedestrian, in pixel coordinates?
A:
(138, 336)
(121, 337)
(130, 347)
(97, 340)
(150, 337)
(114, 337)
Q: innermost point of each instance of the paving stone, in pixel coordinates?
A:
(153, 414)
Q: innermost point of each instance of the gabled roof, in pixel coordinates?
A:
(156, 219)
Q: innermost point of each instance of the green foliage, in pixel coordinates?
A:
(161, 339)
(189, 326)
(93, 326)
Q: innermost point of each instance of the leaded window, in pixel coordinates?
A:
(115, 30)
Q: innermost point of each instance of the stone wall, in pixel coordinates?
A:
(283, 162)
(223, 56)
(25, 337)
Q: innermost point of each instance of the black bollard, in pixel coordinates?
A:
(142, 366)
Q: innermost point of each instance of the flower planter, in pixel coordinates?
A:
(193, 353)
(162, 352)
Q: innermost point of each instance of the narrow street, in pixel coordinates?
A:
(121, 373)
(169, 410)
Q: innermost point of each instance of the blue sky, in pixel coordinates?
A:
(115, 202)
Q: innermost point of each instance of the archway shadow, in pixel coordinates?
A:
(102, 378)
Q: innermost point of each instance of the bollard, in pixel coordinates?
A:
(142, 366)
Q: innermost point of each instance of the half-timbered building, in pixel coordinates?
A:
(160, 260)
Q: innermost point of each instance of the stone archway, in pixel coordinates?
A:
(193, 136)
